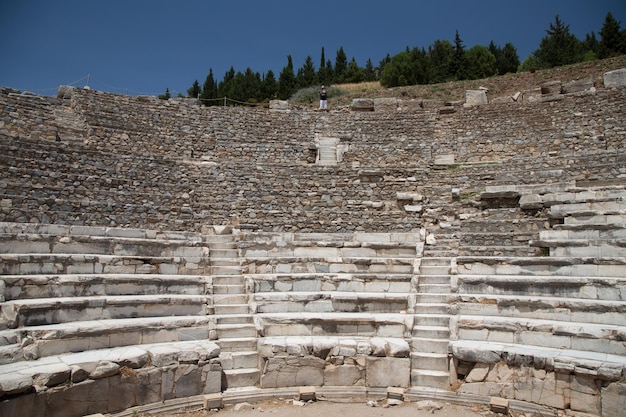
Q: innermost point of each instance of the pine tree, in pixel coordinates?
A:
(440, 55)
(269, 86)
(459, 64)
(559, 47)
(194, 91)
(209, 90)
(306, 75)
(509, 59)
(591, 47)
(480, 63)
(419, 57)
(287, 80)
(370, 71)
(165, 96)
(354, 74)
(341, 65)
(612, 40)
(226, 86)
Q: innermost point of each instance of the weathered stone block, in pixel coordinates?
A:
(616, 78)
(279, 105)
(614, 400)
(344, 375)
(362, 104)
(499, 405)
(388, 372)
(475, 97)
(213, 401)
(307, 394)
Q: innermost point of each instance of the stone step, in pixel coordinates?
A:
(587, 249)
(343, 282)
(69, 285)
(239, 360)
(433, 279)
(236, 378)
(229, 331)
(335, 324)
(594, 220)
(433, 298)
(431, 308)
(225, 262)
(237, 344)
(559, 211)
(566, 233)
(224, 309)
(41, 264)
(429, 361)
(542, 266)
(330, 301)
(225, 270)
(337, 265)
(429, 378)
(589, 287)
(229, 289)
(233, 319)
(431, 332)
(432, 320)
(429, 345)
(435, 261)
(42, 311)
(227, 279)
(229, 299)
(223, 254)
(56, 339)
(510, 251)
(434, 270)
(591, 310)
(583, 336)
(434, 288)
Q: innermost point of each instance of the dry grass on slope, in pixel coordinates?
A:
(498, 86)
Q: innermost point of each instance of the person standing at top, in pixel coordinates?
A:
(323, 99)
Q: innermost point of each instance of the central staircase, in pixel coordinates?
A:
(431, 329)
(236, 332)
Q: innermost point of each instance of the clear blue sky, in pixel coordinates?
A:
(144, 46)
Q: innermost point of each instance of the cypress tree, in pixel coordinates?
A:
(322, 74)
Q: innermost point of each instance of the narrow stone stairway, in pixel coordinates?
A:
(327, 151)
(431, 329)
(236, 332)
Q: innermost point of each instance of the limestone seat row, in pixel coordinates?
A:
(110, 380)
(27, 343)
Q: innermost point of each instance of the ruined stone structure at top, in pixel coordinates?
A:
(162, 252)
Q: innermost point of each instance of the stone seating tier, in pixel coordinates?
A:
(289, 308)
(112, 379)
(33, 342)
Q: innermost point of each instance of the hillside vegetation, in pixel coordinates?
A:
(498, 86)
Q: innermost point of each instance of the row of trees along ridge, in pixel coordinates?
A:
(441, 62)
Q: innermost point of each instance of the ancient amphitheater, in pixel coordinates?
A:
(161, 254)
